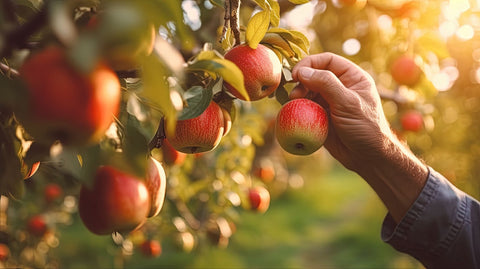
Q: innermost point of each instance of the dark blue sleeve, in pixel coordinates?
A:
(441, 229)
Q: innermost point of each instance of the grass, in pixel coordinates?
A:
(332, 222)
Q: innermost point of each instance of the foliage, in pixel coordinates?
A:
(185, 70)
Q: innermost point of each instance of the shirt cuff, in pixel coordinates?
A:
(432, 223)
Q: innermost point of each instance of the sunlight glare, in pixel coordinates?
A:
(351, 46)
(448, 29)
(465, 32)
(192, 14)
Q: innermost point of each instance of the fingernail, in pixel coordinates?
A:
(306, 72)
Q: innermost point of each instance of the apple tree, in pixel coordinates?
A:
(132, 116)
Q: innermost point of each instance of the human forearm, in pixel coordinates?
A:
(396, 175)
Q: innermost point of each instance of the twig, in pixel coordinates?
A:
(234, 20)
(18, 37)
(9, 70)
(135, 73)
(226, 23)
(159, 136)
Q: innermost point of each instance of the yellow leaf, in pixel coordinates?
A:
(298, 2)
(257, 27)
(225, 68)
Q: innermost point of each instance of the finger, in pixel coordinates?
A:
(323, 82)
(298, 92)
(327, 61)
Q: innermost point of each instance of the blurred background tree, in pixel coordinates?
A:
(320, 214)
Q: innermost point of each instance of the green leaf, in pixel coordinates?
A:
(256, 28)
(298, 2)
(136, 146)
(198, 99)
(156, 91)
(225, 68)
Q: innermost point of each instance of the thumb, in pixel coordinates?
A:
(323, 82)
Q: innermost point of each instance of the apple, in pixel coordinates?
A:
(261, 68)
(4, 252)
(412, 121)
(301, 126)
(151, 248)
(37, 226)
(264, 170)
(126, 34)
(33, 169)
(156, 182)
(199, 134)
(259, 199)
(227, 121)
(65, 104)
(115, 202)
(52, 192)
(170, 155)
(405, 71)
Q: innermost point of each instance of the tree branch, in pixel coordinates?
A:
(7, 69)
(234, 20)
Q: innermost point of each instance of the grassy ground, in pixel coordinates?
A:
(332, 222)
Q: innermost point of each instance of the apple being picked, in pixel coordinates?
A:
(261, 68)
(156, 182)
(199, 134)
(301, 126)
(115, 202)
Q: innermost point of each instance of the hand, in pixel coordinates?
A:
(359, 135)
(358, 125)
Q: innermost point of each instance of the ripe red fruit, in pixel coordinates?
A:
(65, 104)
(33, 169)
(156, 182)
(37, 226)
(170, 155)
(4, 252)
(199, 134)
(301, 127)
(151, 248)
(405, 71)
(412, 121)
(259, 199)
(52, 192)
(115, 202)
(261, 68)
(227, 121)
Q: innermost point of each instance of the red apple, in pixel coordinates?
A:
(4, 252)
(52, 192)
(156, 184)
(412, 121)
(33, 169)
(261, 68)
(65, 104)
(259, 199)
(199, 134)
(227, 121)
(115, 202)
(170, 155)
(301, 127)
(37, 226)
(151, 248)
(405, 71)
